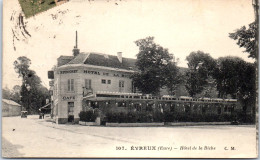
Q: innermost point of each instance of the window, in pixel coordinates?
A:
(108, 81)
(70, 84)
(88, 83)
(121, 86)
(70, 108)
(103, 81)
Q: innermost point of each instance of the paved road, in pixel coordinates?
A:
(33, 137)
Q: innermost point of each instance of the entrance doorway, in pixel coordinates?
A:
(70, 111)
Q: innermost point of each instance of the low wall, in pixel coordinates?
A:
(154, 124)
(88, 123)
(195, 123)
(134, 124)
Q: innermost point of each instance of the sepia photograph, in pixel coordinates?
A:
(130, 79)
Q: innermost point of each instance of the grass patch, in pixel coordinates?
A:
(33, 7)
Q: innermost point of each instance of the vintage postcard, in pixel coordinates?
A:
(130, 79)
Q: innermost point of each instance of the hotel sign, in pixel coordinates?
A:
(70, 71)
(91, 72)
(105, 73)
(95, 73)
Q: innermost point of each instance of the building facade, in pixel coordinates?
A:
(86, 73)
(96, 80)
(10, 108)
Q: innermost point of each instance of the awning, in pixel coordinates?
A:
(89, 96)
(47, 106)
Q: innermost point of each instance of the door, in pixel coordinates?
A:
(70, 111)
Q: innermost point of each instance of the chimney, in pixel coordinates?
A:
(119, 56)
(76, 50)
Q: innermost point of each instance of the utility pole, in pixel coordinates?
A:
(256, 8)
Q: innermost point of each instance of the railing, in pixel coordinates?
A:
(138, 96)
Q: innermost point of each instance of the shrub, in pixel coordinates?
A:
(158, 117)
(182, 117)
(245, 118)
(131, 117)
(147, 117)
(87, 116)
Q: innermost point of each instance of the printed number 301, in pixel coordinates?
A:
(120, 148)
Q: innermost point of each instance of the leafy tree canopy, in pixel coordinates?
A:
(33, 93)
(246, 38)
(234, 76)
(153, 61)
(21, 66)
(201, 66)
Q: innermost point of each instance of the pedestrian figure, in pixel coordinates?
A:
(42, 115)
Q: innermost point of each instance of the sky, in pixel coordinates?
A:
(108, 27)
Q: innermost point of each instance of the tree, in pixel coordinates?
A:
(6, 93)
(12, 94)
(226, 76)
(152, 60)
(246, 38)
(201, 66)
(236, 77)
(33, 94)
(16, 94)
(21, 66)
(172, 78)
(247, 87)
(194, 83)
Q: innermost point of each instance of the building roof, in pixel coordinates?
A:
(79, 59)
(66, 57)
(105, 60)
(10, 102)
(99, 59)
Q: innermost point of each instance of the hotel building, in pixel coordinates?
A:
(96, 80)
(86, 73)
